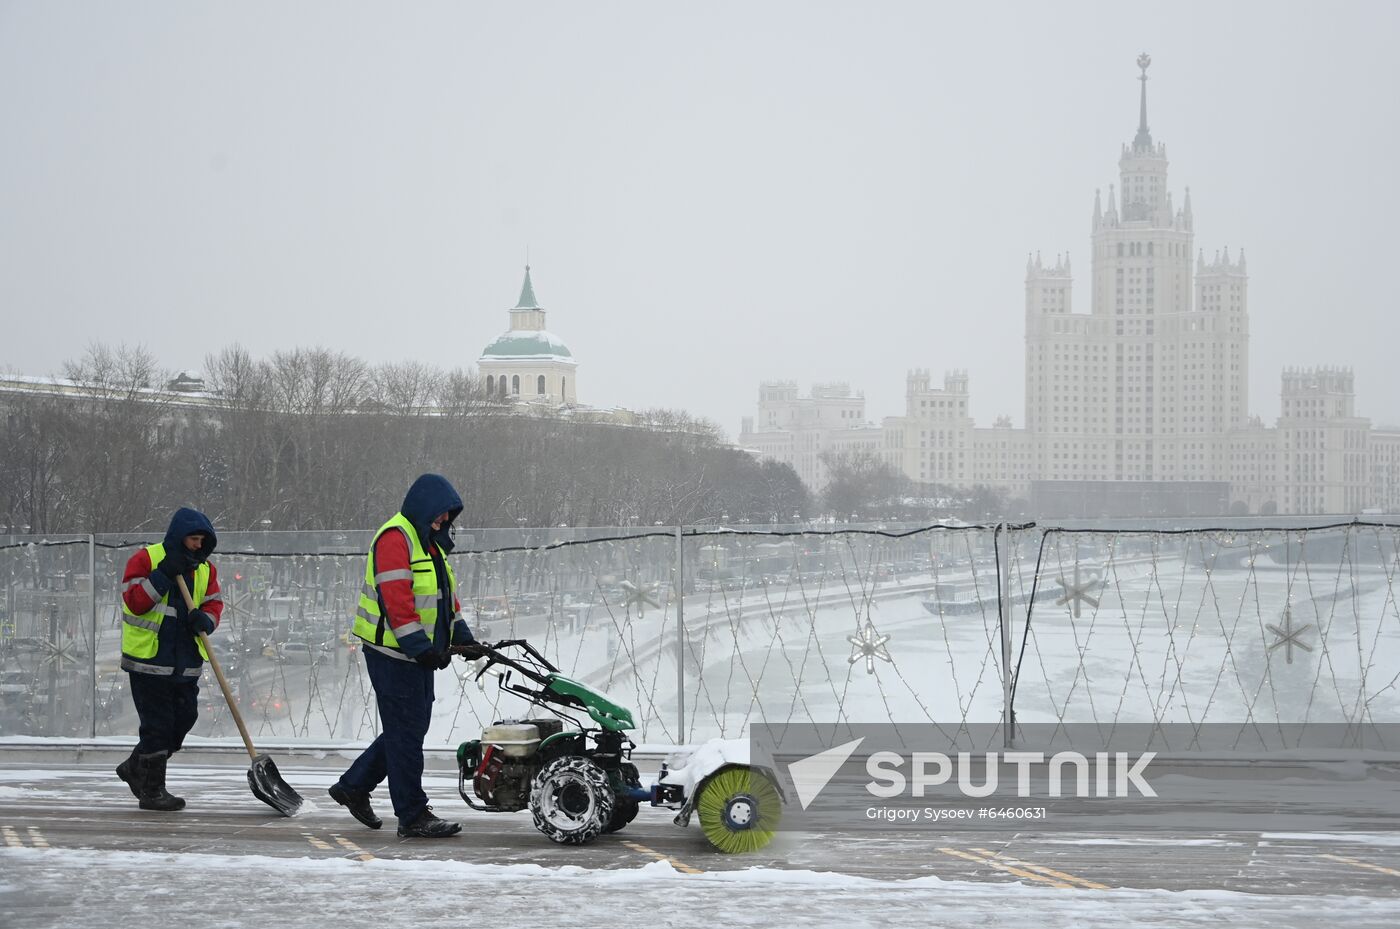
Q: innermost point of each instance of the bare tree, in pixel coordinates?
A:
(407, 387)
(38, 436)
(128, 435)
(314, 439)
(859, 482)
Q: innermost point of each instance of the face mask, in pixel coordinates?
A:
(442, 538)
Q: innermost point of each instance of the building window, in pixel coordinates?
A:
(539, 385)
(563, 382)
(490, 384)
(501, 385)
(515, 384)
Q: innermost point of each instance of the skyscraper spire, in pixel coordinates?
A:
(1142, 142)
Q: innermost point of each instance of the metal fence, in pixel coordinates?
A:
(703, 631)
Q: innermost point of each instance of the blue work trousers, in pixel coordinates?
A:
(168, 708)
(404, 692)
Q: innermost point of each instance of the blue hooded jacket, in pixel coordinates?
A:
(176, 644)
(430, 496)
(187, 521)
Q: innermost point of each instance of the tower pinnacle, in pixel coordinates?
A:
(1142, 142)
(527, 299)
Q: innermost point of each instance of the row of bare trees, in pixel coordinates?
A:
(314, 439)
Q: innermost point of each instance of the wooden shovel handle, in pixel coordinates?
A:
(219, 673)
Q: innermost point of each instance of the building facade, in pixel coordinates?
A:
(1152, 382)
(805, 432)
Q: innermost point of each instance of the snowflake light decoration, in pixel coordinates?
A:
(1288, 636)
(1077, 592)
(868, 644)
(638, 596)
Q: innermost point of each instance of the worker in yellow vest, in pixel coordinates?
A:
(406, 621)
(161, 651)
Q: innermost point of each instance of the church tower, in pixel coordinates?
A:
(528, 363)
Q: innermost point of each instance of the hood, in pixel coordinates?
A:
(430, 495)
(186, 521)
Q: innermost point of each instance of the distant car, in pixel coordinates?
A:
(299, 651)
(273, 704)
(14, 684)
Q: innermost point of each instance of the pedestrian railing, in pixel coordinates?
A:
(1258, 631)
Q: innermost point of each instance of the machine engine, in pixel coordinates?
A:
(502, 764)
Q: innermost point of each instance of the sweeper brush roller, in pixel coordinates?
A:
(739, 809)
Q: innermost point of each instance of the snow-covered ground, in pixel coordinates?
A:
(79, 889)
(77, 854)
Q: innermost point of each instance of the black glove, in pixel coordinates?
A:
(429, 659)
(471, 651)
(200, 621)
(175, 563)
(445, 661)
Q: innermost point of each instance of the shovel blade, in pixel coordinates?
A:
(268, 786)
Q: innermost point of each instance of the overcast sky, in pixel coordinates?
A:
(712, 194)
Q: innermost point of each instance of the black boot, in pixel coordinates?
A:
(129, 772)
(154, 796)
(428, 826)
(357, 802)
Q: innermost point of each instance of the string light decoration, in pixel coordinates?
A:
(868, 645)
(1077, 591)
(1240, 626)
(1288, 637)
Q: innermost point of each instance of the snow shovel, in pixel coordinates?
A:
(266, 783)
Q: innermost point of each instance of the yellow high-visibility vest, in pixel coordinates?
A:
(141, 632)
(374, 628)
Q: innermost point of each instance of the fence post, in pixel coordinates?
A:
(680, 636)
(1004, 613)
(92, 648)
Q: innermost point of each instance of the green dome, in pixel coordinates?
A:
(520, 344)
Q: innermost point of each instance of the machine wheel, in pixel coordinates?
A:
(625, 808)
(739, 809)
(571, 800)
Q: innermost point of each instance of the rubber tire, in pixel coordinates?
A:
(625, 808)
(573, 773)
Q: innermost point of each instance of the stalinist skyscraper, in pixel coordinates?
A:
(1138, 407)
(1148, 385)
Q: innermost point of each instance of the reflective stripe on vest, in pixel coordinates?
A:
(370, 624)
(141, 632)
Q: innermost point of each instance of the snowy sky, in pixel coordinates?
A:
(711, 194)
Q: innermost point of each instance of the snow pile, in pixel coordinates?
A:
(691, 766)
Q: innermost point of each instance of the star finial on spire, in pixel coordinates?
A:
(1143, 140)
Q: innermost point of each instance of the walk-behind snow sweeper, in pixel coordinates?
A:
(577, 778)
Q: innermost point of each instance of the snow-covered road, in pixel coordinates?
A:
(77, 853)
(81, 889)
